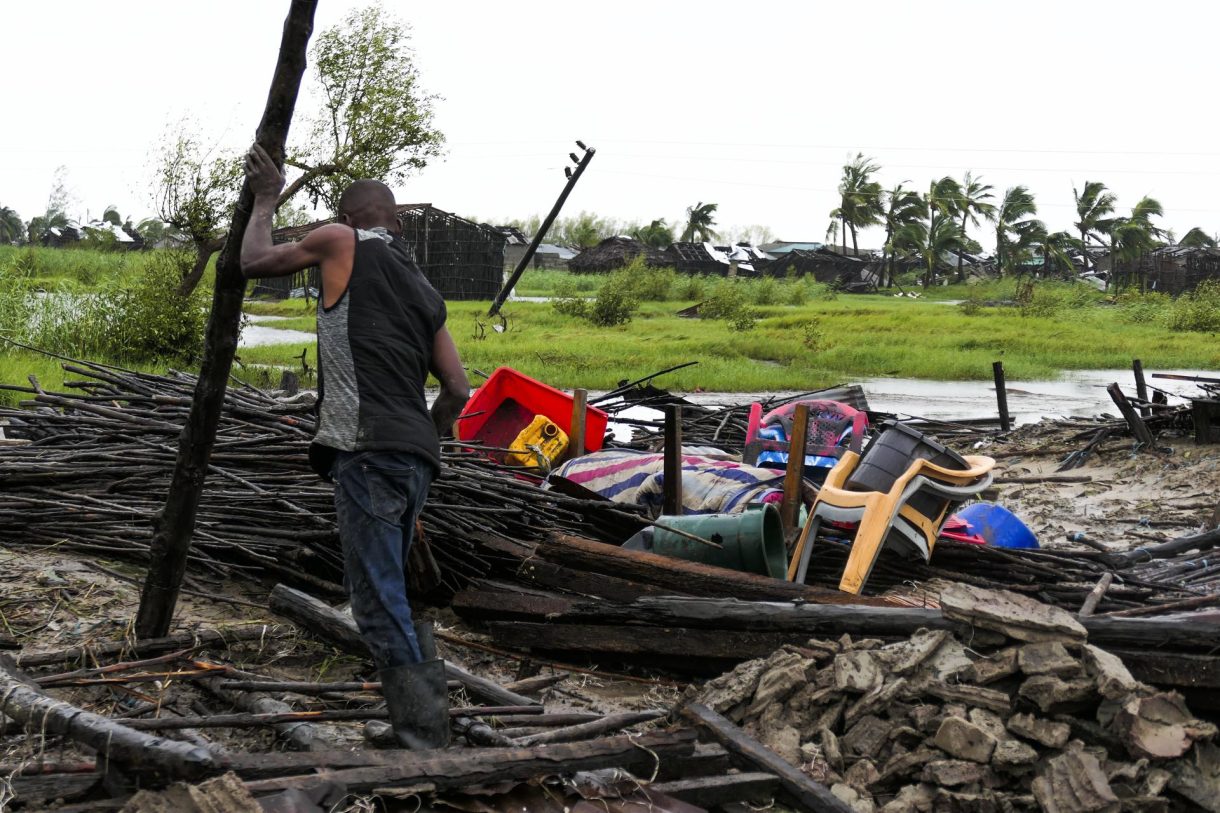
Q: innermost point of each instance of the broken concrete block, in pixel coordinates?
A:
(990, 699)
(1159, 726)
(952, 772)
(854, 799)
(911, 799)
(785, 741)
(783, 675)
(867, 736)
(1045, 732)
(1012, 614)
(1047, 658)
(732, 688)
(992, 723)
(964, 740)
(862, 774)
(905, 656)
(1113, 679)
(1048, 691)
(831, 750)
(857, 672)
(806, 700)
(1074, 782)
(879, 698)
(996, 666)
(925, 717)
(1010, 754)
(944, 665)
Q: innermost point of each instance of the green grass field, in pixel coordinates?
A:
(825, 340)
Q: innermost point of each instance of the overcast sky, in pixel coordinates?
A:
(754, 106)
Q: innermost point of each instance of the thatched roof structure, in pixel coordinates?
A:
(614, 253)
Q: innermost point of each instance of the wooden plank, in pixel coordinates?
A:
(809, 795)
(1172, 669)
(675, 643)
(326, 622)
(672, 464)
(1141, 386)
(1001, 395)
(604, 585)
(757, 788)
(490, 605)
(460, 768)
(708, 759)
(794, 472)
(576, 432)
(682, 577)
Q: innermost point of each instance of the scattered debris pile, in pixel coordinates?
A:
(1024, 714)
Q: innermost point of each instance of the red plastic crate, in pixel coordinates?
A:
(509, 400)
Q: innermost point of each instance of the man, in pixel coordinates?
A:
(381, 330)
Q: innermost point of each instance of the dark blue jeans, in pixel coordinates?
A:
(378, 496)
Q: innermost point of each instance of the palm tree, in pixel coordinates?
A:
(972, 202)
(930, 241)
(699, 223)
(1093, 203)
(902, 207)
(11, 226)
(1056, 249)
(1014, 216)
(1195, 238)
(1132, 237)
(859, 198)
(941, 207)
(657, 234)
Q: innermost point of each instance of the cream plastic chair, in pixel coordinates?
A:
(887, 519)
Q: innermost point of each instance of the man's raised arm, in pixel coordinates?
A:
(260, 257)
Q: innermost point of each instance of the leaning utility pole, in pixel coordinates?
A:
(175, 524)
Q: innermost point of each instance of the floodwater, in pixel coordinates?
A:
(260, 333)
(1075, 392)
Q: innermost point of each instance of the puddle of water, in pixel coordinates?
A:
(256, 335)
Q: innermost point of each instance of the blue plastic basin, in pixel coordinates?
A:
(998, 525)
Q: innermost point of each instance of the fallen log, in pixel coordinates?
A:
(708, 792)
(333, 626)
(449, 769)
(149, 646)
(593, 728)
(131, 750)
(271, 718)
(808, 795)
(692, 578)
(680, 648)
(1165, 550)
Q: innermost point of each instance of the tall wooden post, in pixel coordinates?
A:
(672, 470)
(1001, 395)
(794, 474)
(175, 524)
(580, 414)
(1141, 386)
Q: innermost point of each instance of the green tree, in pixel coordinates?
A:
(12, 229)
(1195, 238)
(1132, 237)
(657, 234)
(700, 219)
(1093, 204)
(111, 215)
(940, 205)
(375, 120)
(859, 198)
(1015, 229)
(902, 207)
(972, 203)
(56, 215)
(1056, 250)
(930, 240)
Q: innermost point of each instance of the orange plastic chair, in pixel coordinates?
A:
(886, 519)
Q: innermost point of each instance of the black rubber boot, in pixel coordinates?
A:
(417, 698)
(426, 639)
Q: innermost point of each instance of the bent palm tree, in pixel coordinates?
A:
(930, 241)
(657, 234)
(1014, 216)
(1093, 203)
(972, 202)
(1056, 249)
(859, 198)
(902, 208)
(1195, 238)
(1132, 237)
(699, 223)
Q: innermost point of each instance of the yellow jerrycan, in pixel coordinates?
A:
(540, 444)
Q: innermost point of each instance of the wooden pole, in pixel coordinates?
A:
(794, 472)
(1001, 395)
(1141, 387)
(1095, 595)
(672, 505)
(175, 525)
(580, 411)
(1138, 428)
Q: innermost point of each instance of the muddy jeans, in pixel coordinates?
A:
(378, 496)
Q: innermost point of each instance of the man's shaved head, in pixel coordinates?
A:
(368, 203)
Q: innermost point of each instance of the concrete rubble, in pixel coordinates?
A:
(1038, 719)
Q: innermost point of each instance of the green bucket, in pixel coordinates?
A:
(753, 541)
